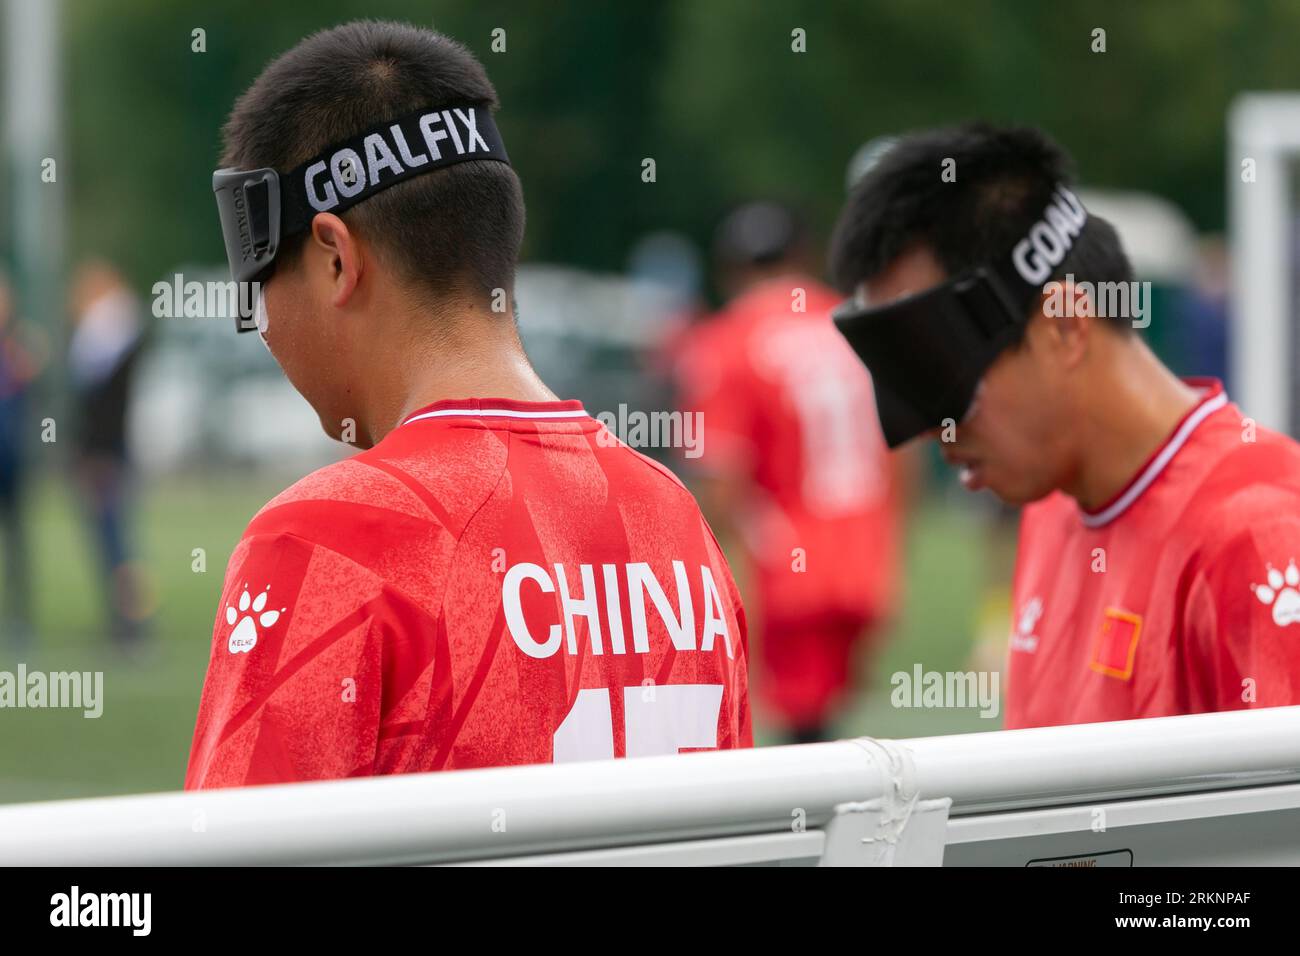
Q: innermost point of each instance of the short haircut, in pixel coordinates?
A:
(1004, 181)
(456, 227)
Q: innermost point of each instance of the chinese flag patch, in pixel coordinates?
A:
(1116, 644)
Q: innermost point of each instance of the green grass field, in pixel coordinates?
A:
(141, 741)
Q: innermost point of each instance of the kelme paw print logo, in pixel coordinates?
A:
(1281, 593)
(244, 637)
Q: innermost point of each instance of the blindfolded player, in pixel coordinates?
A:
(493, 579)
(1156, 571)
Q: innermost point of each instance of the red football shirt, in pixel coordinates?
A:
(496, 582)
(1178, 596)
(788, 408)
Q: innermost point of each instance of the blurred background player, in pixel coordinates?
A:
(793, 466)
(106, 340)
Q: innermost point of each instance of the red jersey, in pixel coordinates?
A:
(1175, 598)
(496, 582)
(788, 408)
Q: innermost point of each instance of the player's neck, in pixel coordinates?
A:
(1129, 416)
(474, 357)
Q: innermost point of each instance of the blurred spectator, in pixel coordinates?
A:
(670, 264)
(1204, 319)
(794, 464)
(18, 367)
(106, 341)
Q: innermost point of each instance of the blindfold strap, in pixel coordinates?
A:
(354, 170)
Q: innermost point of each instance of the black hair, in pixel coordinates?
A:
(460, 226)
(1004, 180)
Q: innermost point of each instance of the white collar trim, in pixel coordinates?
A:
(1157, 465)
(496, 413)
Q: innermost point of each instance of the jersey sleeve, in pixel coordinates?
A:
(294, 681)
(1243, 615)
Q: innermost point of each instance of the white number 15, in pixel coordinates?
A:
(656, 720)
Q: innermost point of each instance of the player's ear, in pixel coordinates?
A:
(1066, 320)
(340, 254)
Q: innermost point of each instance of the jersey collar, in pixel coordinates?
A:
(1213, 398)
(498, 408)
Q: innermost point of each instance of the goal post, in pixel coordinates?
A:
(1263, 141)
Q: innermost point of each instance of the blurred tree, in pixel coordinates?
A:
(711, 91)
(1149, 113)
(147, 111)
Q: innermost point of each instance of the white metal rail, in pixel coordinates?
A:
(1007, 797)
